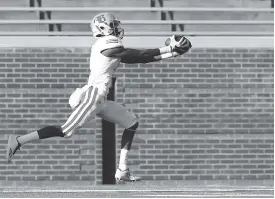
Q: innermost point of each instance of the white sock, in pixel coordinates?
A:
(24, 139)
(123, 159)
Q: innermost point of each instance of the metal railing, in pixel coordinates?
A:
(139, 22)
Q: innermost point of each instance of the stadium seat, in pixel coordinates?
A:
(256, 3)
(94, 3)
(120, 15)
(204, 15)
(245, 28)
(14, 3)
(127, 28)
(12, 15)
(25, 28)
(218, 3)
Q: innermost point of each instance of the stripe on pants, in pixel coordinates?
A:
(84, 115)
(79, 109)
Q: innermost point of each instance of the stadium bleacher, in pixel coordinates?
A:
(140, 12)
(141, 3)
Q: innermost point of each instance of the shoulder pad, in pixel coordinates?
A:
(108, 42)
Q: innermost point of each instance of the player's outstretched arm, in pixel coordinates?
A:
(129, 55)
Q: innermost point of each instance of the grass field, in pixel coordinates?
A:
(139, 190)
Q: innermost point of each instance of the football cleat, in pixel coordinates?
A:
(126, 176)
(13, 146)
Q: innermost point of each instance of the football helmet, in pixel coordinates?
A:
(105, 24)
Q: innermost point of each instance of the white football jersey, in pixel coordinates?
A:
(102, 67)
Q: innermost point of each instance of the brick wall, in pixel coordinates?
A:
(206, 115)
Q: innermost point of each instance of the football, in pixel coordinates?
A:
(177, 38)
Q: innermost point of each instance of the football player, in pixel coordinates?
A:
(90, 100)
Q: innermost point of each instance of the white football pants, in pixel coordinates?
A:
(95, 104)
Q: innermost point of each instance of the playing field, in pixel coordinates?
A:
(135, 190)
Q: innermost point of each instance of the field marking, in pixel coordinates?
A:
(203, 195)
(125, 190)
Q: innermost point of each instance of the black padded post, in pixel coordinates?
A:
(109, 145)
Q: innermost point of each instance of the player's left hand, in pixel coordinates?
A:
(183, 49)
(183, 46)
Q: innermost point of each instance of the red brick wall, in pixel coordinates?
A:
(206, 115)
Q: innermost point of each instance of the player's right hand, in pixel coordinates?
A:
(177, 42)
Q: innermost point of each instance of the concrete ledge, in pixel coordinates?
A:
(135, 42)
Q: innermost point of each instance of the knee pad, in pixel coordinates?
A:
(134, 127)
